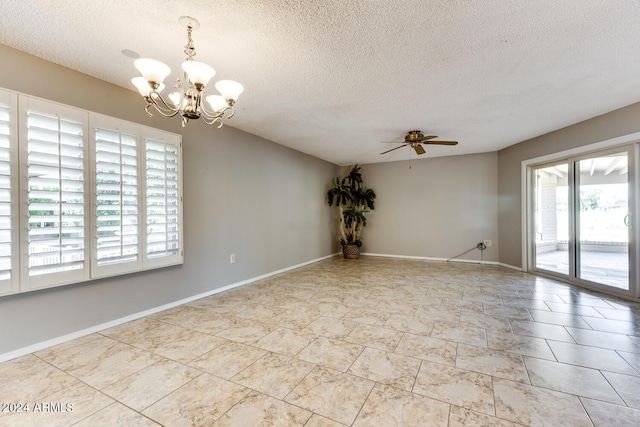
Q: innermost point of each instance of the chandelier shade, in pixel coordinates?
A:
(229, 89)
(186, 98)
(198, 73)
(152, 70)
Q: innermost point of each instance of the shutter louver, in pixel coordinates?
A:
(116, 197)
(162, 194)
(5, 194)
(56, 235)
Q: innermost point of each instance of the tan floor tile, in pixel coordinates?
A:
(333, 354)
(411, 324)
(432, 349)
(29, 379)
(75, 403)
(628, 387)
(615, 326)
(468, 389)
(388, 406)
(247, 331)
(491, 362)
(332, 394)
(259, 410)
(116, 414)
(496, 324)
(398, 307)
(83, 354)
(461, 417)
(614, 341)
(197, 403)
(632, 359)
(294, 319)
(450, 315)
(368, 316)
(541, 330)
(331, 328)
(561, 319)
(228, 359)
(285, 341)
(590, 357)
(461, 334)
(386, 368)
(605, 414)
(48, 352)
(197, 319)
(103, 361)
(274, 374)
(319, 421)
(376, 337)
(151, 384)
(570, 379)
(332, 309)
(499, 310)
(520, 344)
(531, 405)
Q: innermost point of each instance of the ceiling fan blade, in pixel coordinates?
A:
(424, 138)
(396, 141)
(419, 149)
(400, 146)
(441, 142)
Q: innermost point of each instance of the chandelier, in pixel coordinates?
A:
(187, 98)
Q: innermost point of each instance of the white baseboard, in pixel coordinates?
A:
(68, 337)
(470, 261)
(512, 267)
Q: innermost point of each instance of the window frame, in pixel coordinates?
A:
(21, 281)
(11, 285)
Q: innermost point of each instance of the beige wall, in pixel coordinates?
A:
(438, 208)
(242, 195)
(615, 124)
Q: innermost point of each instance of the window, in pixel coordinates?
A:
(117, 196)
(8, 195)
(53, 193)
(86, 185)
(163, 205)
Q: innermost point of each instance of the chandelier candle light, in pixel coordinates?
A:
(186, 100)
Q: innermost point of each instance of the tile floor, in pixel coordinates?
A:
(372, 342)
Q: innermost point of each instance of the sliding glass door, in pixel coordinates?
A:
(582, 219)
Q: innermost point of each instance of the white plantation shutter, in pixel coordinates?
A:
(117, 207)
(163, 199)
(77, 205)
(8, 194)
(55, 193)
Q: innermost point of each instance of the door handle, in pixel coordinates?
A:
(627, 221)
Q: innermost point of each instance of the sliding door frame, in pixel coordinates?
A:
(528, 212)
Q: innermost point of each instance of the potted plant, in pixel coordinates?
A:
(354, 200)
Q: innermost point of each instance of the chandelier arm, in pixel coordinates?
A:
(212, 120)
(162, 107)
(210, 113)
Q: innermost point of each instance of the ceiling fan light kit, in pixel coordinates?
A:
(186, 99)
(415, 139)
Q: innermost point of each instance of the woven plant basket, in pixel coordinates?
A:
(351, 251)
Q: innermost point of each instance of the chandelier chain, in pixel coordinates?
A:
(189, 48)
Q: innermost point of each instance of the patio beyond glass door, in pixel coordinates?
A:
(602, 220)
(552, 218)
(582, 219)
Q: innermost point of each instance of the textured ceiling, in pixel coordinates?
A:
(334, 78)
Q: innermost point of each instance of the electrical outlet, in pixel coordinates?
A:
(487, 243)
(232, 258)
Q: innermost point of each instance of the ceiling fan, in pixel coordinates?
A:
(415, 139)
